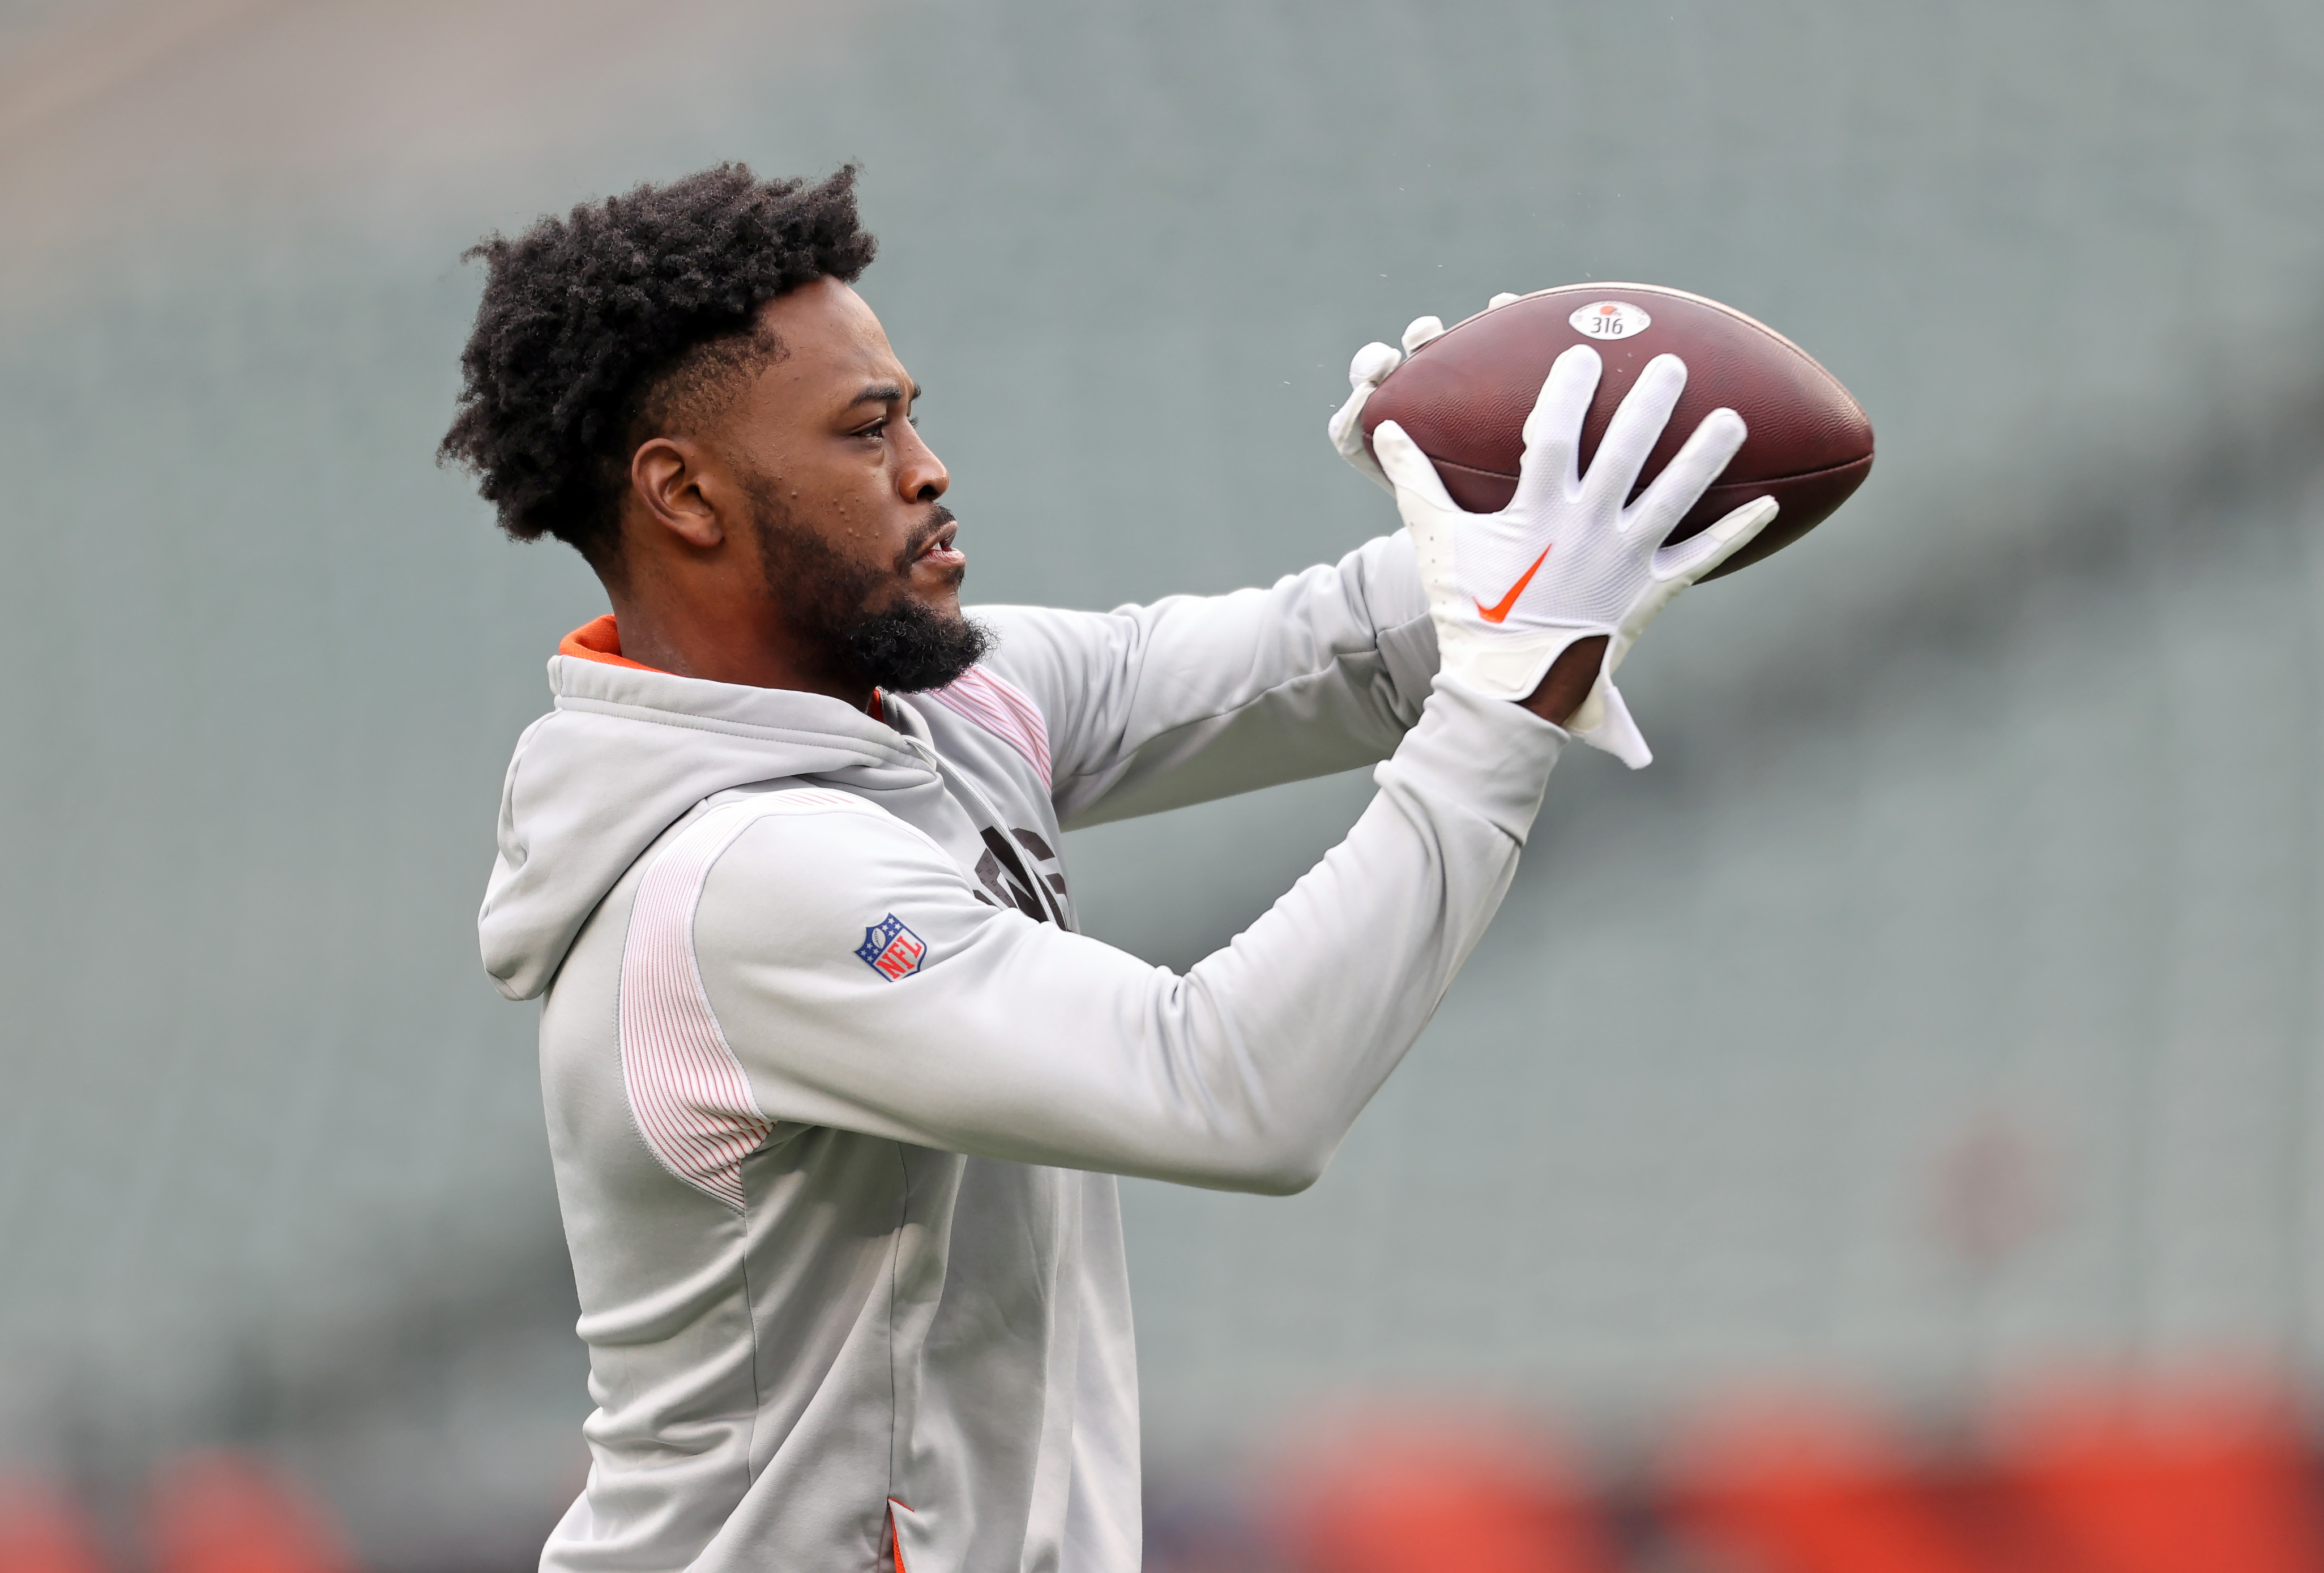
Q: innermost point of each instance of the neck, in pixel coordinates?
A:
(741, 644)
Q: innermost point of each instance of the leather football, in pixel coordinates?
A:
(1464, 398)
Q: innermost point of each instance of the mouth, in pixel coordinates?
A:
(939, 550)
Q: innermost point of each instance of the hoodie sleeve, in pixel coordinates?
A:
(1197, 697)
(843, 965)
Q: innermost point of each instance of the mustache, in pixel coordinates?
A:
(922, 534)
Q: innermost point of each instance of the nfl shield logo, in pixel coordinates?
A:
(892, 949)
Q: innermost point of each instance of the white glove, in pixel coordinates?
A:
(1369, 368)
(1565, 560)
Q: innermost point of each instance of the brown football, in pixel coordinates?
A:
(1463, 397)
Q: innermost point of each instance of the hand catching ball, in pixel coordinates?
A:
(1463, 396)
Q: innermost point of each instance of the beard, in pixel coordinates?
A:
(863, 622)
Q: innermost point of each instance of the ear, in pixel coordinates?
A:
(668, 480)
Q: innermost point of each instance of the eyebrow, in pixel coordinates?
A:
(884, 393)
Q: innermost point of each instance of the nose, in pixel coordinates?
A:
(921, 476)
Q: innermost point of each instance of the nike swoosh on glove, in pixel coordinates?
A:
(1567, 560)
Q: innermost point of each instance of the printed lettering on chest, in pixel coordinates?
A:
(1012, 881)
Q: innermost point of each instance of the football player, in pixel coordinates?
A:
(837, 1089)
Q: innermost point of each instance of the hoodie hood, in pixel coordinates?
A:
(625, 755)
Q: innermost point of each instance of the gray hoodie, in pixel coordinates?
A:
(837, 1089)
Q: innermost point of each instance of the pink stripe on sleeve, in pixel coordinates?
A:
(690, 1095)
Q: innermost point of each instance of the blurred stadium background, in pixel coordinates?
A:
(1888, 1137)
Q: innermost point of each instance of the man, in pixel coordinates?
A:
(837, 1089)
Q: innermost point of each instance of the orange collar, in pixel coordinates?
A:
(600, 640)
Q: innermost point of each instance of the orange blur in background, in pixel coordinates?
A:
(210, 1512)
(2216, 1475)
(2200, 1477)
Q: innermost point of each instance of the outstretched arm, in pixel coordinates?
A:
(861, 985)
(1196, 697)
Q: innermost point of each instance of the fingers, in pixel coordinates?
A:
(1689, 473)
(1691, 559)
(1420, 330)
(1347, 434)
(1502, 299)
(1408, 469)
(1632, 432)
(1346, 430)
(1553, 430)
(1372, 364)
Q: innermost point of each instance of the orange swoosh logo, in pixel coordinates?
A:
(1500, 613)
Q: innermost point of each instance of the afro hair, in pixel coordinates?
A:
(622, 315)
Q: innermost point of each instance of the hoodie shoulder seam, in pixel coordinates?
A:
(804, 800)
